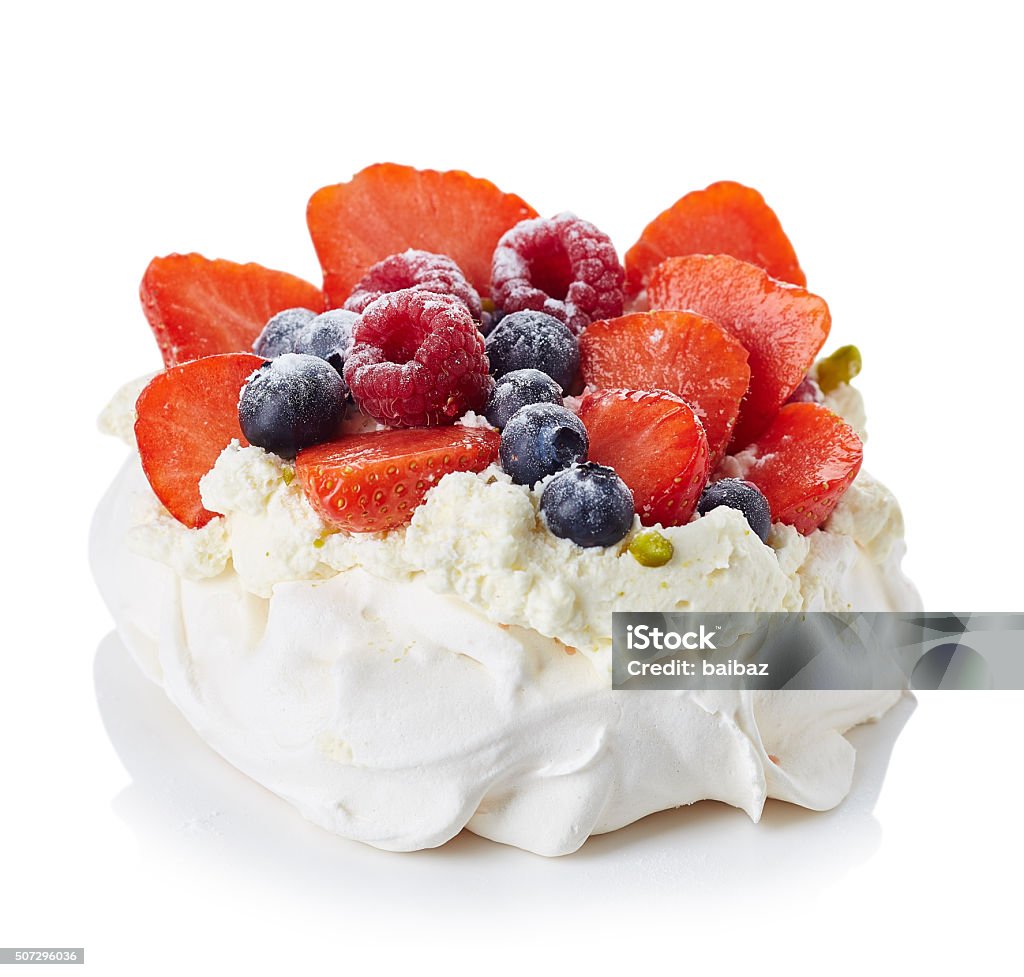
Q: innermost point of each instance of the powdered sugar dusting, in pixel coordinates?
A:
(472, 419)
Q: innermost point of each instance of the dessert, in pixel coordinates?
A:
(369, 539)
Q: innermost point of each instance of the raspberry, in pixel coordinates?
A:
(565, 267)
(417, 359)
(420, 270)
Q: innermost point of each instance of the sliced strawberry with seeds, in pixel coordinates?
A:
(184, 419)
(655, 443)
(804, 463)
(726, 218)
(372, 482)
(387, 208)
(681, 352)
(782, 326)
(200, 307)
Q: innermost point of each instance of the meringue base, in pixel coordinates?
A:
(397, 716)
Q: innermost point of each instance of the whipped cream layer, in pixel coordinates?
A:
(398, 687)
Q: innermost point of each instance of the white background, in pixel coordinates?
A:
(886, 138)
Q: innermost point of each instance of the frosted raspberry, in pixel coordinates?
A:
(417, 359)
(420, 270)
(565, 267)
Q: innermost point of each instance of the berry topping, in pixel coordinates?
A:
(735, 493)
(417, 359)
(517, 389)
(534, 341)
(328, 336)
(368, 483)
(804, 463)
(421, 270)
(726, 218)
(491, 316)
(681, 352)
(655, 442)
(564, 266)
(838, 368)
(650, 549)
(588, 504)
(198, 307)
(184, 418)
(290, 403)
(541, 439)
(278, 335)
(807, 392)
(387, 208)
(782, 326)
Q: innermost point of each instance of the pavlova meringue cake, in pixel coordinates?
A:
(369, 539)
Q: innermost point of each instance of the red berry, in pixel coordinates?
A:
(198, 307)
(184, 418)
(655, 443)
(387, 208)
(782, 326)
(372, 482)
(421, 270)
(417, 359)
(681, 352)
(804, 463)
(726, 218)
(565, 267)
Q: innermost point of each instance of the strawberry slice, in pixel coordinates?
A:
(200, 307)
(368, 483)
(804, 463)
(387, 208)
(655, 443)
(681, 352)
(782, 326)
(184, 418)
(726, 218)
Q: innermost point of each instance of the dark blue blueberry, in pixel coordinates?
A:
(278, 334)
(291, 402)
(541, 439)
(807, 392)
(489, 319)
(588, 504)
(742, 495)
(534, 341)
(328, 336)
(517, 389)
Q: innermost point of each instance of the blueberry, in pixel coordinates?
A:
(533, 340)
(541, 439)
(328, 336)
(489, 319)
(742, 495)
(806, 392)
(291, 402)
(279, 333)
(588, 504)
(517, 389)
